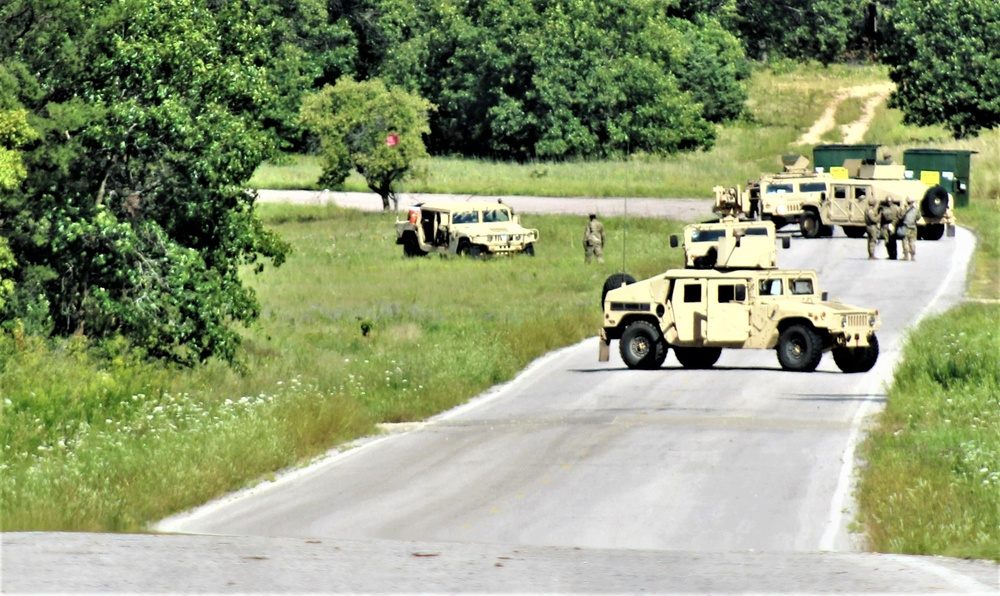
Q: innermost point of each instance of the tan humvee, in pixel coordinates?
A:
(820, 201)
(470, 228)
(697, 313)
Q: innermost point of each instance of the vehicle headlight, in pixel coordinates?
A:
(871, 321)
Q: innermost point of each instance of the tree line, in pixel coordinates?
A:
(128, 129)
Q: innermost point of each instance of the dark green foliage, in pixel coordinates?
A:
(132, 218)
(823, 30)
(944, 57)
(570, 78)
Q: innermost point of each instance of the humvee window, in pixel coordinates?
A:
(802, 287)
(840, 192)
(732, 293)
(495, 215)
(779, 188)
(770, 287)
(692, 293)
(812, 187)
(465, 217)
(709, 235)
(760, 231)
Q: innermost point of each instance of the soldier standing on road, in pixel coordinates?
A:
(891, 215)
(909, 222)
(872, 217)
(593, 240)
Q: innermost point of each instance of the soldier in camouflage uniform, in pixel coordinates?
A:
(909, 221)
(891, 214)
(872, 218)
(593, 240)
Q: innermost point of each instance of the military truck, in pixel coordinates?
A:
(698, 312)
(472, 228)
(819, 201)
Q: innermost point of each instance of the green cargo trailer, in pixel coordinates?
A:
(947, 167)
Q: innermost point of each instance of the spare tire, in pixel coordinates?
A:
(935, 202)
(614, 282)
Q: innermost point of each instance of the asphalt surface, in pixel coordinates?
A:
(578, 476)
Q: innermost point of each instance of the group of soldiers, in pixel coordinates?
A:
(889, 222)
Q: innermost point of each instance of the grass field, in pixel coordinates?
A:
(95, 440)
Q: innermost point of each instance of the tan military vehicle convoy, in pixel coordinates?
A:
(818, 201)
(472, 228)
(699, 312)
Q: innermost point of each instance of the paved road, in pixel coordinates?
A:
(578, 476)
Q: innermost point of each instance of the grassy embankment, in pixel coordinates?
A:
(92, 443)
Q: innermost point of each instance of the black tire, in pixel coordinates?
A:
(930, 232)
(641, 346)
(475, 251)
(809, 225)
(411, 247)
(855, 360)
(935, 202)
(697, 357)
(854, 231)
(463, 249)
(530, 250)
(800, 348)
(615, 281)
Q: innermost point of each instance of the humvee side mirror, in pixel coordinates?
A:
(824, 296)
(673, 241)
(786, 242)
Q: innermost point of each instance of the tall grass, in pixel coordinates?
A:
(932, 485)
(97, 439)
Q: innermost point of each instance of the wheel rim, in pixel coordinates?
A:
(796, 348)
(640, 347)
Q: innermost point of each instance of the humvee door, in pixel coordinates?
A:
(728, 311)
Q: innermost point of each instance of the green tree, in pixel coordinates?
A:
(14, 131)
(944, 57)
(823, 30)
(566, 78)
(133, 218)
(367, 126)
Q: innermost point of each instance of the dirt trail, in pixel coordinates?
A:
(855, 131)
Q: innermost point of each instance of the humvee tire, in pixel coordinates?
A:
(800, 348)
(930, 232)
(854, 231)
(615, 281)
(935, 202)
(697, 357)
(855, 360)
(641, 346)
(411, 247)
(529, 250)
(809, 225)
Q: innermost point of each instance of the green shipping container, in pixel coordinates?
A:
(947, 167)
(832, 156)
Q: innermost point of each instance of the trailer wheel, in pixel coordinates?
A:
(641, 346)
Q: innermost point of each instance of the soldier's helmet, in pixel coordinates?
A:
(911, 200)
(872, 201)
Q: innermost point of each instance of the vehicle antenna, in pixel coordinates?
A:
(624, 231)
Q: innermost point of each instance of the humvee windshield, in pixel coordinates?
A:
(713, 235)
(801, 287)
(465, 217)
(495, 215)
